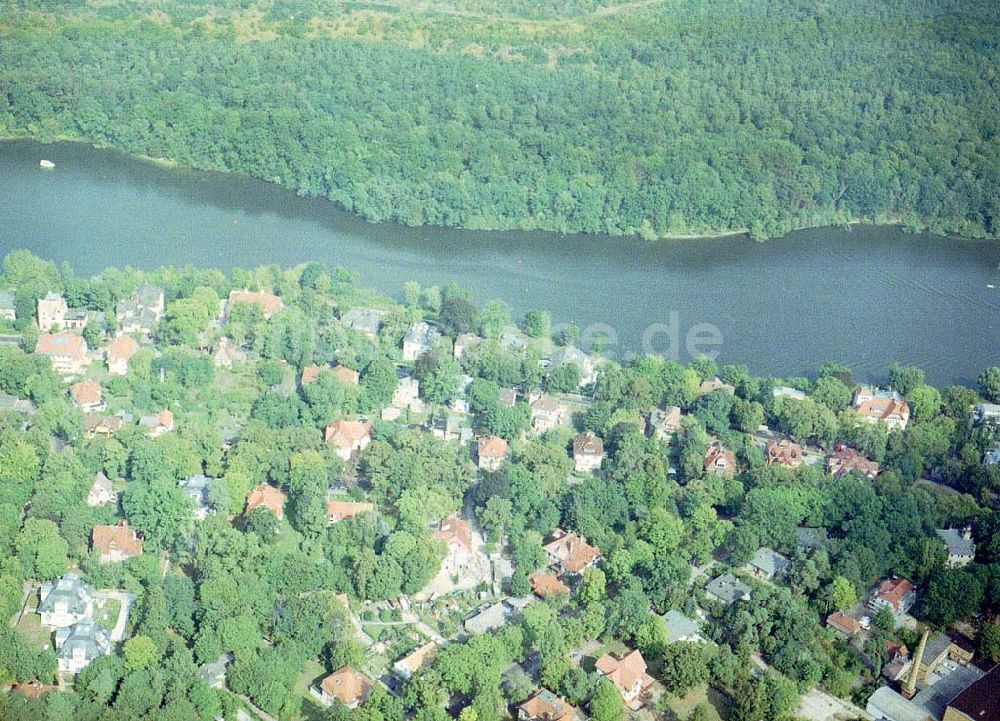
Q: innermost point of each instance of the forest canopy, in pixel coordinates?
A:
(647, 118)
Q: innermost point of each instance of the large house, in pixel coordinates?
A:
(665, 422)
(783, 452)
(348, 436)
(847, 460)
(547, 413)
(51, 312)
(418, 340)
(268, 303)
(588, 452)
(105, 426)
(67, 352)
(196, 488)
(119, 353)
(158, 423)
(489, 619)
(875, 405)
(345, 685)
(720, 461)
(413, 661)
(961, 547)
(87, 396)
(79, 645)
(65, 602)
(546, 706)
(141, 311)
(365, 321)
(491, 452)
(269, 497)
(628, 674)
(456, 535)
(116, 543)
(727, 589)
(571, 552)
(102, 491)
(766, 564)
(897, 594)
(566, 355)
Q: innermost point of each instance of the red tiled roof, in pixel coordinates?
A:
(545, 584)
(623, 672)
(884, 408)
(342, 510)
(116, 538)
(310, 373)
(843, 623)
(86, 393)
(719, 460)
(108, 423)
(347, 375)
(267, 496)
(846, 460)
(546, 706)
(893, 590)
(347, 685)
(454, 530)
(588, 444)
(347, 434)
(61, 344)
(574, 553)
(491, 447)
(784, 452)
(268, 303)
(122, 348)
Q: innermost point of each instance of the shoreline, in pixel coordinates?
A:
(170, 164)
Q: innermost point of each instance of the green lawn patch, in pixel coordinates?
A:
(718, 704)
(107, 615)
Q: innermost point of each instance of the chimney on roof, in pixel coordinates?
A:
(967, 533)
(910, 690)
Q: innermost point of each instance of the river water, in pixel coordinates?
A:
(864, 297)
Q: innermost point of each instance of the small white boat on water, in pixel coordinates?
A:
(47, 164)
(990, 286)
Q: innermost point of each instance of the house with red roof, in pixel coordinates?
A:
(544, 585)
(720, 461)
(67, 352)
(628, 674)
(783, 452)
(268, 303)
(119, 353)
(116, 543)
(571, 552)
(897, 594)
(491, 452)
(876, 405)
(269, 497)
(87, 395)
(847, 460)
(345, 685)
(588, 452)
(348, 436)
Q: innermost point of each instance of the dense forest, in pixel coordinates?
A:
(648, 118)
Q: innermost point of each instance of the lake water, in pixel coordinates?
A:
(863, 298)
